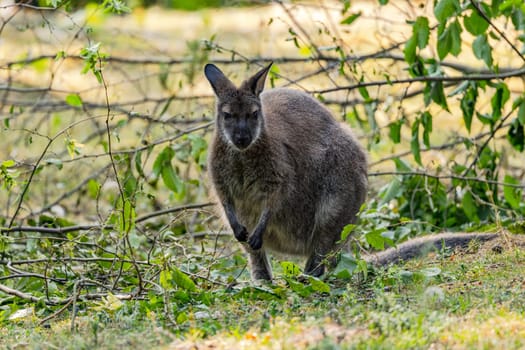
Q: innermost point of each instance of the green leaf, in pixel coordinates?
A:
(162, 159)
(362, 266)
(350, 19)
(127, 219)
(418, 69)
(521, 110)
(392, 190)
(444, 41)
(419, 38)
(163, 167)
(512, 195)
(470, 207)
(516, 135)
(499, 99)
(414, 143)
(410, 50)
(455, 36)
(299, 288)
(375, 239)
(138, 164)
(482, 49)
(318, 285)
(395, 131)
(290, 269)
(508, 4)
(171, 179)
(347, 230)
(436, 93)
(130, 185)
(93, 188)
(421, 31)
(182, 318)
(165, 279)
(446, 8)
(364, 93)
(74, 100)
(182, 280)
(475, 24)
(426, 120)
(345, 267)
(449, 40)
(401, 165)
(8, 163)
(468, 104)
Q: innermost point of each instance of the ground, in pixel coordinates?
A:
(468, 299)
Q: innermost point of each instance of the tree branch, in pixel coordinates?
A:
(473, 77)
(66, 229)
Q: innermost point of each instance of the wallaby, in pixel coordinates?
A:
(287, 175)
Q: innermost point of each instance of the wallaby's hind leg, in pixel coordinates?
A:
(320, 259)
(316, 264)
(259, 265)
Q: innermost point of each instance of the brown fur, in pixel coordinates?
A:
(287, 175)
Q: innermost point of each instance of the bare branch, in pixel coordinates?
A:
(473, 77)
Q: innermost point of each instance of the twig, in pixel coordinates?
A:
(172, 210)
(493, 131)
(67, 229)
(19, 294)
(454, 177)
(69, 259)
(58, 312)
(432, 78)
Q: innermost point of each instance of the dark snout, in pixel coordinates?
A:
(242, 134)
(242, 139)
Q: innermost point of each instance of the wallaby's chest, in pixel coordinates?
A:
(250, 179)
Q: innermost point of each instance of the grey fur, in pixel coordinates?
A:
(288, 176)
(421, 245)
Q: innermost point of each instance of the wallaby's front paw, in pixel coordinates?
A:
(241, 234)
(255, 241)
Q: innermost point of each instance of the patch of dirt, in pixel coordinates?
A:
(282, 335)
(504, 242)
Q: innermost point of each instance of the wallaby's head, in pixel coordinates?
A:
(239, 113)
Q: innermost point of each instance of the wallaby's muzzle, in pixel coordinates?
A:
(242, 139)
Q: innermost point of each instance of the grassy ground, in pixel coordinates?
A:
(466, 300)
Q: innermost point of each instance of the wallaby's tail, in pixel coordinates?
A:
(420, 246)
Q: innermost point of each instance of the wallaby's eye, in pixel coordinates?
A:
(227, 115)
(255, 114)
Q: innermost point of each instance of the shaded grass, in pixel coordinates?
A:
(466, 300)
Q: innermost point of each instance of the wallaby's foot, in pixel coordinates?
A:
(314, 268)
(241, 234)
(259, 265)
(317, 263)
(261, 276)
(255, 241)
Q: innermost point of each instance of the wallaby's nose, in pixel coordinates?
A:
(242, 140)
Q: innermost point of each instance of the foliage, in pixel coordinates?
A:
(465, 301)
(103, 179)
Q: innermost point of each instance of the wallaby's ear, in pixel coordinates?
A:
(256, 83)
(220, 84)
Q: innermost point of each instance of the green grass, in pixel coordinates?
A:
(464, 301)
